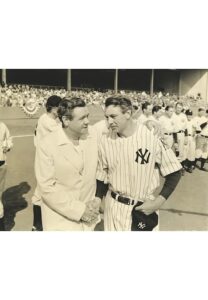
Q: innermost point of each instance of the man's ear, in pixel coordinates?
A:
(128, 114)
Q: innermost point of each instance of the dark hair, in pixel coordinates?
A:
(67, 106)
(156, 108)
(179, 103)
(124, 103)
(53, 101)
(206, 111)
(168, 107)
(145, 105)
(201, 109)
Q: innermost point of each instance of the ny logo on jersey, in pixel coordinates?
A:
(144, 156)
(141, 225)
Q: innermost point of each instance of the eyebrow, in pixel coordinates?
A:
(87, 115)
(112, 115)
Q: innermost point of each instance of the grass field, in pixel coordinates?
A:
(186, 209)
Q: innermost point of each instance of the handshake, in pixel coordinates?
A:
(91, 212)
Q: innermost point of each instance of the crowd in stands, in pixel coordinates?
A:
(18, 95)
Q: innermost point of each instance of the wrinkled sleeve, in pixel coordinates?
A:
(54, 195)
(102, 169)
(166, 159)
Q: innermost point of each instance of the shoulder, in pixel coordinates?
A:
(51, 139)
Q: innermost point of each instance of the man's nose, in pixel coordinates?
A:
(110, 121)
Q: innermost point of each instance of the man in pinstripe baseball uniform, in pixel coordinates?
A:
(180, 122)
(202, 138)
(128, 155)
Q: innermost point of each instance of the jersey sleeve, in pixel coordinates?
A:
(102, 169)
(166, 159)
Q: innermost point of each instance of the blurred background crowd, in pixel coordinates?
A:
(17, 95)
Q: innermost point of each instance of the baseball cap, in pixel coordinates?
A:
(142, 222)
(189, 112)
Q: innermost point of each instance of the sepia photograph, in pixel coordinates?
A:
(104, 149)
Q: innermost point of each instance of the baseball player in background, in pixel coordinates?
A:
(202, 138)
(128, 155)
(47, 123)
(180, 122)
(168, 128)
(146, 112)
(190, 149)
(5, 146)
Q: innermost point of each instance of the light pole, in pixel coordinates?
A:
(116, 81)
(152, 82)
(69, 80)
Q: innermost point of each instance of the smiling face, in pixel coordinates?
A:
(117, 120)
(178, 109)
(169, 112)
(79, 123)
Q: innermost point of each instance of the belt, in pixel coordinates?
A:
(168, 133)
(122, 199)
(181, 131)
(204, 136)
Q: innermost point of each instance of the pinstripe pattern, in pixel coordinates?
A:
(117, 165)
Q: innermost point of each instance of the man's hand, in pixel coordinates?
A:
(186, 141)
(176, 146)
(149, 206)
(92, 211)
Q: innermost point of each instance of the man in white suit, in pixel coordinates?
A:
(65, 166)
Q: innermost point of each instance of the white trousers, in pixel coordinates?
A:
(117, 216)
(3, 170)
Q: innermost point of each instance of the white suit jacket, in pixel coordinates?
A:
(65, 189)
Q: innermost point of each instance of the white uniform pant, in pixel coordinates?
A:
(3, 170)
(181, 138)
(117, 216)
(190, 149)
(201, 147)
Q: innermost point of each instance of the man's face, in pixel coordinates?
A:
(54, 111)
(117, 120)
(189, 117)
(178, 109)
(79, 124)
(169, 112)
(201, 113)
(158, 114)
(148, 110)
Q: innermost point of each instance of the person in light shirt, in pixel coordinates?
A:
(146, 112)
(47, 123)
(168, 127)
(190, 149)
(202, 138)
(180, 122)
(5, 145)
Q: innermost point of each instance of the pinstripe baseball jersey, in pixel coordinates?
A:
(128, 164)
